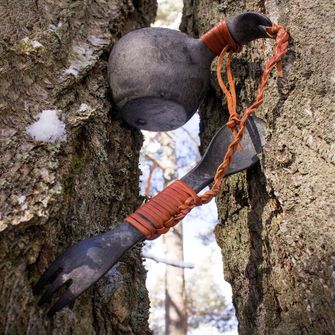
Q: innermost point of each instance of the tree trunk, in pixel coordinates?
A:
(175, 297)
(277, 219)
(83, 180)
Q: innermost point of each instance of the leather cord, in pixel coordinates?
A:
(219, 37)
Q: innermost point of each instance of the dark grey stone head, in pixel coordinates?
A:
(158, 77)
(248, 26)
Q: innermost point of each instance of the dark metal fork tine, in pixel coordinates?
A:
(46, 277)
(55, 286)
(65, 299)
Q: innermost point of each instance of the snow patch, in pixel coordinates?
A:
(84, 107)
(48, 128)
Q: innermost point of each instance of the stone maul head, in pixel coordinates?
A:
(159, 76)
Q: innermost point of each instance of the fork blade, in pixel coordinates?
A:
(54, 287)
(84, 263)
(47, 277)
(252, 142)
(65, 299)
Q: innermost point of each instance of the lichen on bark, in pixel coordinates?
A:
(277, 219)
(53, 56)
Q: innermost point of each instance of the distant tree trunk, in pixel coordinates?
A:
(277, 219)
(53, 56)
(175, 297)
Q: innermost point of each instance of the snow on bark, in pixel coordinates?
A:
(48, 127)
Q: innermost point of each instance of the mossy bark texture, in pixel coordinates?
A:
(53, 56)
(277, 220)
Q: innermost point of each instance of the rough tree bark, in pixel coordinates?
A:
(53, 56)
(277, 219)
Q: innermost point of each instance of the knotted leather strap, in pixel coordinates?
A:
(159, 214)
(219, 37)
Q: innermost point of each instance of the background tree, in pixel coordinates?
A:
(159, 152)
(208, 309)
(69, 167)
(277, 219)
(175, 295)
(206, 303)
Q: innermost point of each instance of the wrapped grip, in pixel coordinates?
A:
(164, 210)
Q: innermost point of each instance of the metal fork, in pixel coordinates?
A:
(82, 264)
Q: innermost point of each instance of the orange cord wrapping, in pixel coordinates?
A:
(219, 37)
(157, 216)
(172, 204)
